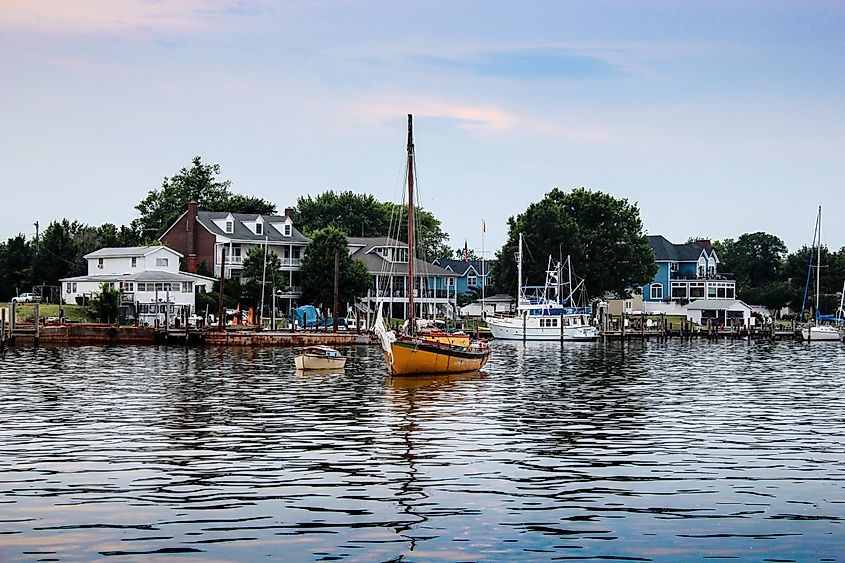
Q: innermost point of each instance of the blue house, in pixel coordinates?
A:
(686, 272)
(471, 275)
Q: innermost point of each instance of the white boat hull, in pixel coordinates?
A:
(307, 361)
(514, 329)
(821, 334)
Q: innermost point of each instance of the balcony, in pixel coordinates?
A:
(290, 262)
(234, 260)
(127, 298)
(292, 291)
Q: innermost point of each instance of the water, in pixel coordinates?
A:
(648, 451)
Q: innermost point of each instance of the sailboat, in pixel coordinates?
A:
(542, 312)
(814, 331)
(418, 350)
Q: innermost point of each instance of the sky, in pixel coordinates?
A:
(715, 118)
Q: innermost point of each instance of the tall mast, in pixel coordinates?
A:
(411, 246)
(818, 261)
(519, 271)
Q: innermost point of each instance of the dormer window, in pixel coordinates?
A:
(287, 230)
(259, 228)
(230, 226)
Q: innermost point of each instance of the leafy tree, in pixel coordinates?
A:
(15, 264)
(754, 259)
(57, 255)
(773, 296)
(317, 270)
(254, 271)
(363, 215)
(106, 303)
(832, 274)
(458, 254)
(602, 234)
(199, 183)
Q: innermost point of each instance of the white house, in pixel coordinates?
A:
(151, 286)
(723, 312)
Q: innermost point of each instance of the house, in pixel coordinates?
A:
(500, 303)
(386, 260)
(722, 312)
(221, 239)
(472, 275)
(686, 272)
(151, 286)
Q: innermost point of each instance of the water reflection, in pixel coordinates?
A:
(639, 451)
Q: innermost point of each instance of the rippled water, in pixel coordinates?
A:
(666, 451)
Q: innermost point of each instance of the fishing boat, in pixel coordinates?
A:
(542, 313)
(815, 330)
(418, 349)
(319, 357)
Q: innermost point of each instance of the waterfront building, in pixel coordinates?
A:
(386, 260)
(685, 273)
(221, 240)
(151, 286)
(471, 276)
(721, 312)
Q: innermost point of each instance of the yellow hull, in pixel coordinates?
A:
(421, 357)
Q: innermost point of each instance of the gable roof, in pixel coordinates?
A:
(667, 251)
(460, 267)
(362, 249)
(128, 252)
(241, 232)
(716, 304)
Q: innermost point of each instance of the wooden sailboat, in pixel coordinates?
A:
(419, 351)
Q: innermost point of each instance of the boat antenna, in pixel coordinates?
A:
(411, 246)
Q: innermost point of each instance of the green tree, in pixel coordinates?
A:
(754, 259)
(15, 267)
(317, 270)
(602, 234)
(106, 303)
(773, 296)
(57, 254)
(200, 183)
(359, 215)
(254, 272)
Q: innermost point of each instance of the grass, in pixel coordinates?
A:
(25, 312)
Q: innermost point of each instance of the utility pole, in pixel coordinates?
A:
(36, 237)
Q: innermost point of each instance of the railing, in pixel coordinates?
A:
(127, 297)
(293, 290)
(230, 260)
(290, 261)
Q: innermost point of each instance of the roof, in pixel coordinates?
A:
(715, 304)
(242, 232)
(144, 276)
(127, 251)
(362, 250)
(667, 251)
(460, 267)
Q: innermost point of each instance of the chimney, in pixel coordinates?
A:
(289, 213)
(704, 243)
(191, 236)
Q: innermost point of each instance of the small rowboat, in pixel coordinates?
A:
(319, 357)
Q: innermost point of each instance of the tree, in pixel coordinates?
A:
(458, 254)
(254, 272)
(106, 303)
(359, 215)
(773, 296)
(162, 207)
(754, 259)
(317, 270)
(15, 267)
(602, 234)
(57, 255)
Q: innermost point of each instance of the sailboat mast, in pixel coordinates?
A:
(818, 261)
(519, 271)
(411, 246)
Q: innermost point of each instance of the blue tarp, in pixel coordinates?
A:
(308, 316)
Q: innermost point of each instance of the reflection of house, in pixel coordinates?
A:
(148, 278)
(722, 312)
(387, 262)
(203, 236)
(686, 272)
(470, 275)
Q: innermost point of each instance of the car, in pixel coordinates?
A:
(26, 298)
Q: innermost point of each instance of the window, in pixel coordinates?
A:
(472, 280)
(187, 287)
(229, 227)
(656, 292)
(161, 262)
(679, 290)
(711, 291)
(134, 262)
(287, 230)
(258, 228)
(450, 282)
(99, 262)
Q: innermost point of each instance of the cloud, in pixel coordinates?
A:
(528, 63)
(59, 16)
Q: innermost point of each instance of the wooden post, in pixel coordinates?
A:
(221, 306)
(524, 324)
(36, 316)
(358, 320)
(2, 329)
(561, 326)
